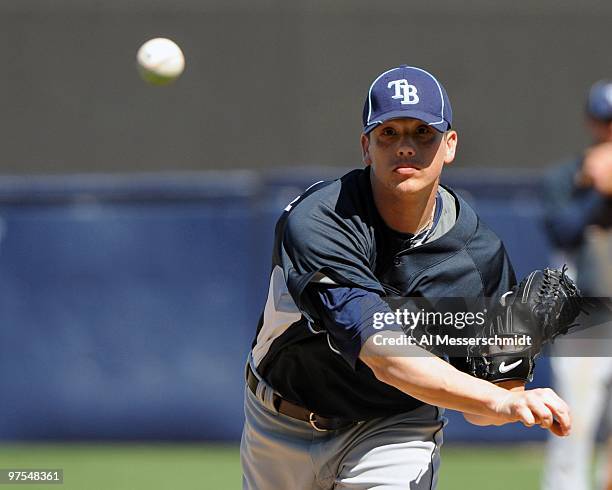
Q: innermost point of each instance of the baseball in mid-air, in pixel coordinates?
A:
(160, 61)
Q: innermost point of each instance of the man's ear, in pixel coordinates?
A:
(365, 149)
(450, 143)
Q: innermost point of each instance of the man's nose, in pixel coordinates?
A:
(406, 148)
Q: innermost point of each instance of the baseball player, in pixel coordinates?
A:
(578, 213)
(329, 402)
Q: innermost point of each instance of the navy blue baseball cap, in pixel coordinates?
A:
(599, 103)
(407, 91)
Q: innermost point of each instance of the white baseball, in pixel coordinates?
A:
(160, 61)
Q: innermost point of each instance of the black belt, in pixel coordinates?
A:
(300, 413)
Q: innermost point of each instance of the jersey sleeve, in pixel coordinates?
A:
(323, 246)
(349, 315)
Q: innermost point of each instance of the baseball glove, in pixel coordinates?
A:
(543, 306)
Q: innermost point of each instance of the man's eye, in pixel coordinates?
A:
(388, 131)
(423, 130)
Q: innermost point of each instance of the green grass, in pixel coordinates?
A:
(492, 467)
(200, 466)
(130, 466)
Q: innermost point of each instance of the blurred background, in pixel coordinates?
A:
(136, 221)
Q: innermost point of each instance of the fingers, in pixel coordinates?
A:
(543, 403)
(543, 407)
(551, 411)
(543, 415)
(526, 417)
(557, 430)
(514, 408)
(560, 412)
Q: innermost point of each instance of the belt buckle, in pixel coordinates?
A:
(311, 419)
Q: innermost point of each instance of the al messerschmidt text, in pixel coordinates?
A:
(515, 340)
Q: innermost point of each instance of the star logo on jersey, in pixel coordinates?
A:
(404, 91)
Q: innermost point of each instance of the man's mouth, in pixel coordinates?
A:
(406, 168)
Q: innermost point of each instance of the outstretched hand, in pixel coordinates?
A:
(541, 406)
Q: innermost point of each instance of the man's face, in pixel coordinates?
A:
(601, 131)
(407, 155)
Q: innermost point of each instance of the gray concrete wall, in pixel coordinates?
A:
(273, 83)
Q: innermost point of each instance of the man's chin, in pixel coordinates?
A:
(410, 185)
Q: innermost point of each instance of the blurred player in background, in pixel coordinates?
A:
(578, 204)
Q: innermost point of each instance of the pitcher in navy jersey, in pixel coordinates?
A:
(326, 404)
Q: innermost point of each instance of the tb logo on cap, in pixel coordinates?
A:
(404, 91)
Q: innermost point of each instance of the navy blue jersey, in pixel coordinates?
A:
(334, 234)
(570, 208)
